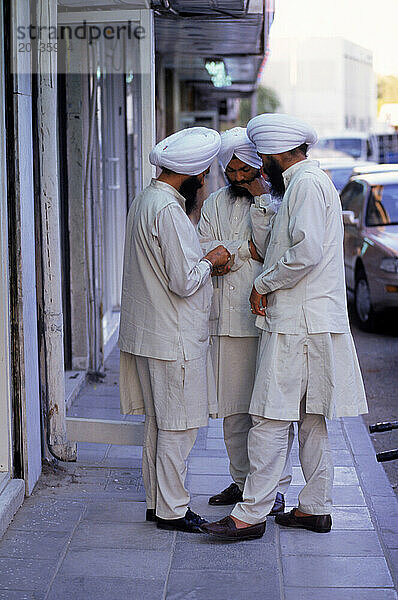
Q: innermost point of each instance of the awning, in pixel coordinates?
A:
(238, 38)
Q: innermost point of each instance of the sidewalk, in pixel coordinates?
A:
(82, 535)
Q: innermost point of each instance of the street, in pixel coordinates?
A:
(378, 356)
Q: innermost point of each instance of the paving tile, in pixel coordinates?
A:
(224, 585)
(208, 452)
(334, 571)
(42, 514)
(343, 495)
(342, 476)
(102, 562)
(105, 588)
(206, 465)
(21, 595)
(200, 505)
(353, 517)
(33, 544)
(335, 543)
(294, 593)
(214, 432)
(115, 512)
(125, 452)
(207, 484)
(253, 556)
(26, 574)
(215, 444)
(142, 535)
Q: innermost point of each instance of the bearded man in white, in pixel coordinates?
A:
(307, 365)
(226, 220)
(164, 331)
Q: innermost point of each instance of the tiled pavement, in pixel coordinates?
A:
(82, 535)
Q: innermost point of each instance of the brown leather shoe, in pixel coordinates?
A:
(317, 523)
(279, 505)
(227, 530)
(231, 495)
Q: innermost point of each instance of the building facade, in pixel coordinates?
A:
(329, 82)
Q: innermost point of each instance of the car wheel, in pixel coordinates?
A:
(363, 304)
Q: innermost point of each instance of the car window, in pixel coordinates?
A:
(382, 206)
(352, 198)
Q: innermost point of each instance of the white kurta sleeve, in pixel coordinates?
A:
(181, 252)
(208, 241)
(307, 222)
(262, 214)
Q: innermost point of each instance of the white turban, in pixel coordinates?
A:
(277, 133)
(188, 152)
(235, 141)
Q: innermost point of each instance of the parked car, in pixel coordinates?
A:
(340, 169)
(374, 168)
(380, 147)
(370, 216)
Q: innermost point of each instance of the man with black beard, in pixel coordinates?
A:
(164, 330)
(307, 368)
(226, 220)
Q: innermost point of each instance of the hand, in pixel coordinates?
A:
(254, 254)
(257, 187)
(218, 256)
(258, 302)
(220, 271)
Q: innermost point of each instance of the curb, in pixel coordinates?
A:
(379, 495)
(11, 499)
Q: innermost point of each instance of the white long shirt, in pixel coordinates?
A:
(303, 273)
(226, 220)
(166, 290)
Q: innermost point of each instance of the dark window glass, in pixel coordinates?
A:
(352, 198)
(382, 206)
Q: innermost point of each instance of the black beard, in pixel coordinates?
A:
(189, 189)
(237, 190)
(275, 177)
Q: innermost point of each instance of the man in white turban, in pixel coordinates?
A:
(164, 331)
(226, 220)
(307, 364)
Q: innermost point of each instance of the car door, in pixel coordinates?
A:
(353, 198)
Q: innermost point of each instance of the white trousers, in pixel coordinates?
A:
(236, 430)
(164, 469)
(269, 445)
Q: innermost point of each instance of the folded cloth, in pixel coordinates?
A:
(188, 152)
(274, 133)
(235, 142)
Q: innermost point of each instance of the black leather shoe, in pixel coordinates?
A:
(191, 523)
(227, 530)
(317, 523)
(279, 505)
(151, 515)
(231, 495)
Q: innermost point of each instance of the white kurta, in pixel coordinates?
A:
(165, 310)
(303, 277)
(226, 220)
